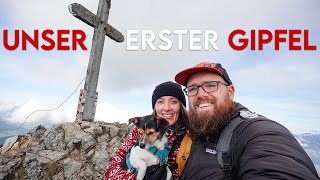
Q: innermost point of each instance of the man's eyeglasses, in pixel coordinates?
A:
(207, 87)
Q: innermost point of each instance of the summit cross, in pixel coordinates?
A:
(88, 96)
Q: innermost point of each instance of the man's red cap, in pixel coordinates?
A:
(183, 76)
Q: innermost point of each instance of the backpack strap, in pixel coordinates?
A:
(223, 146)
(183, 153)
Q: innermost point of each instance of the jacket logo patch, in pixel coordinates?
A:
(248, 114)
(211, 151)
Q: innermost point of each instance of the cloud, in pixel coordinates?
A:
(41, 71)
(17, 113)
(277, 75)
(299, 115)
(109, 113)
(124, 69)
(35, 111)
(38, 78)
(42, 14)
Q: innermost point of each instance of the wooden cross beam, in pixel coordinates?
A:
(85, 15)
(99, 22)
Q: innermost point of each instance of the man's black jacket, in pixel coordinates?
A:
(260, 149)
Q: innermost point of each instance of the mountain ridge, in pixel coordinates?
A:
(64, 151)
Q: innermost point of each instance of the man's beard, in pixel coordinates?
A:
(209, 123)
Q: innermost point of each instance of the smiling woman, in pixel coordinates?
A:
(168, 102)
(168, 107)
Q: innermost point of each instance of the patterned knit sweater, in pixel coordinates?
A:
(114, 170)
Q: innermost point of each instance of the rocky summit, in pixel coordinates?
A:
(64, 151)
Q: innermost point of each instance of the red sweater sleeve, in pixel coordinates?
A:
(114, 170)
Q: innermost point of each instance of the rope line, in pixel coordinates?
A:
(45, 110)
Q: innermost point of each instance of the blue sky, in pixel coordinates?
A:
(282, 85)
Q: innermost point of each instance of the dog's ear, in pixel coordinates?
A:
(135, 121)
(161, 123)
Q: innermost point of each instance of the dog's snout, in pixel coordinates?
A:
(142, 145)
(142, 142)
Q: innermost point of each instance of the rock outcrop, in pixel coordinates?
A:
(64, 151)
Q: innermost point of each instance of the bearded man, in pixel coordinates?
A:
(259, 148)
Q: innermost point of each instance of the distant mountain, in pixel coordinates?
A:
(9, 129)
(3, 139)
(311, 144)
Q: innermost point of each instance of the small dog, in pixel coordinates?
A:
(151, 135)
